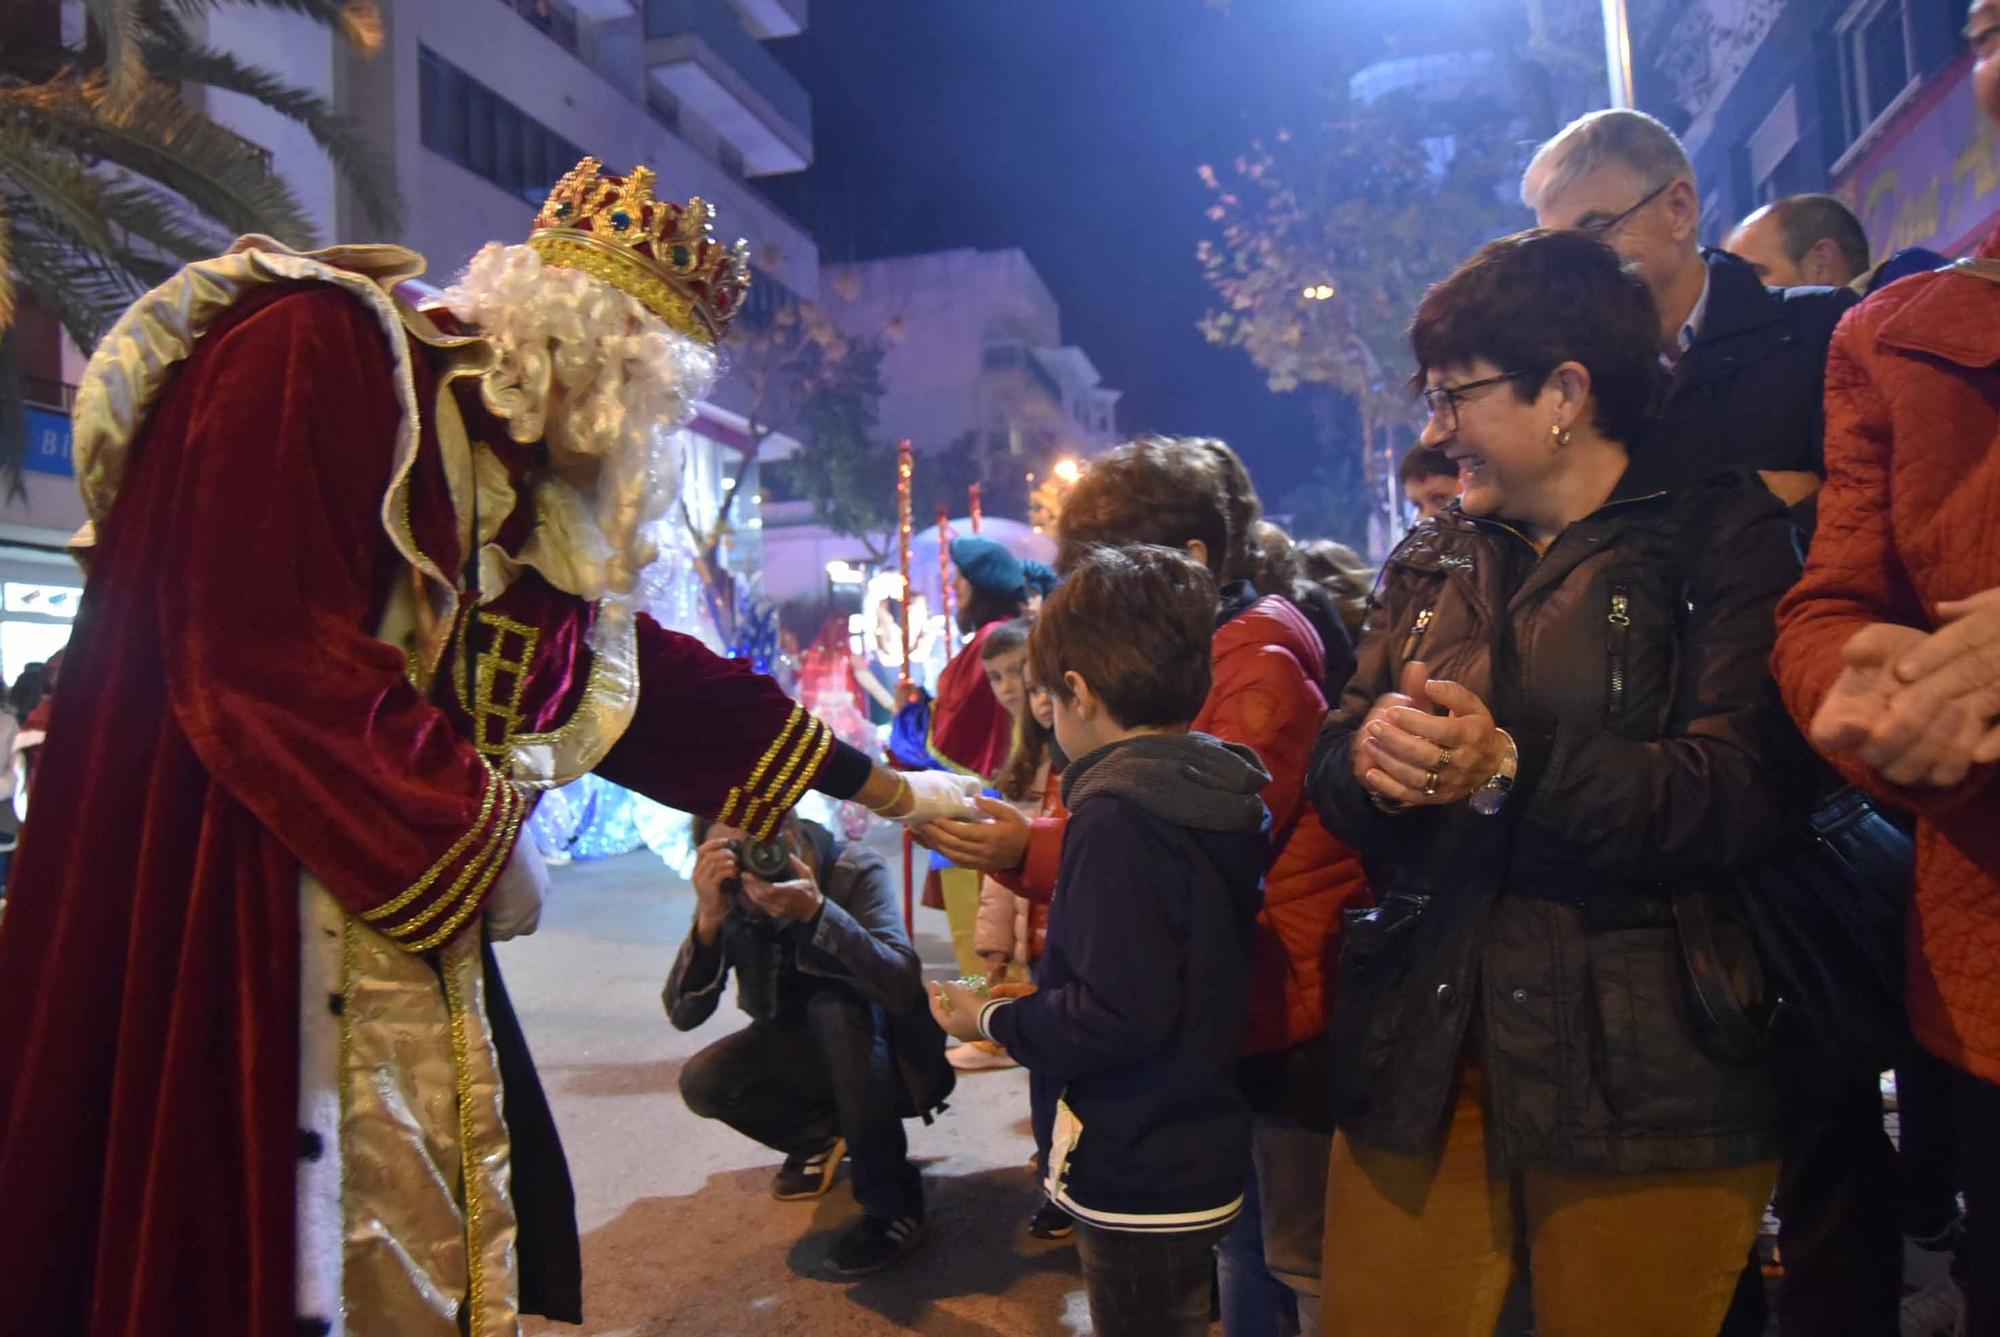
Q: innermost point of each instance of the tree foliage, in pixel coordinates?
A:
(111, 176)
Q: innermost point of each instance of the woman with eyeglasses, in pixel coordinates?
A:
(1561, 718)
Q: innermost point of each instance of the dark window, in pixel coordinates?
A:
(467, 122)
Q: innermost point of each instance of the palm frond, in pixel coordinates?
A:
(83, 289)
(162, 138)
(119, 25)
(59, 191)
(358, 22)
(146, 215)
(13, 422)
(366, 168)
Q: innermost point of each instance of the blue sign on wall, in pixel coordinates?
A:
(48, 443)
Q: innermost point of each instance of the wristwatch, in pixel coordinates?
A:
(1491, 797)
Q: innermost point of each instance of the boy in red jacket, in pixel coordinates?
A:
(1267, 666)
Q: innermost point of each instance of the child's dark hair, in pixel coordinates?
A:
(1009, 636)
(1135, 623)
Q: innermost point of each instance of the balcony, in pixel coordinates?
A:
(701, 54)
(771, 18)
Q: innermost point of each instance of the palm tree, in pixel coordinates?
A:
(110, 177)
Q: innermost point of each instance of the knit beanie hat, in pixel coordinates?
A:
(988, 566)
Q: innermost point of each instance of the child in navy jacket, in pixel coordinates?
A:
(1133, 1035)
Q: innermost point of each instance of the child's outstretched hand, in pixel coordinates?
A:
(956, 1009)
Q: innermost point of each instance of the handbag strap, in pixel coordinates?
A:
(1737, 1037)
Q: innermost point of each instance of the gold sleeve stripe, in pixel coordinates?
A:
(804, 781)
(489, 855)
(478, 896)
(760, 806)
(729, 814)
(451, 856)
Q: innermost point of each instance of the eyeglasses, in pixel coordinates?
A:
(1442, 401)
(1604, 227)
(1983, 35)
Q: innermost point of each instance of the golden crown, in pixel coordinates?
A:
(657, 251)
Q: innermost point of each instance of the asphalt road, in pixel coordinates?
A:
(680, 1233)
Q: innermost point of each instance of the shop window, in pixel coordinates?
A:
(25, 643)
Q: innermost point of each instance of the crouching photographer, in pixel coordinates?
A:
(840, 1048)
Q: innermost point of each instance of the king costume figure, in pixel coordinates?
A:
(362, 580)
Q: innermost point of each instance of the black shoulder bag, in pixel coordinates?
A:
(1825, 908)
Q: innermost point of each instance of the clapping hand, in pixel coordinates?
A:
(1918, 709)
(1407, 753)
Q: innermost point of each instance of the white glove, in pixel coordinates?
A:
(940, 794)
(514, 906)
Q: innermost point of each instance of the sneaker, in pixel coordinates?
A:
(1051, 1222)
(1935, 1311)
(873, 1243)
(979, 1056)
(808, 1174)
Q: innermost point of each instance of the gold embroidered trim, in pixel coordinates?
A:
(764, 810)
(488, 709)
(736, 795)
(798, 789)
(350, 928)
(610, 698)
(451, 856)
(468, 1155)
(477, 897)
(475, 868)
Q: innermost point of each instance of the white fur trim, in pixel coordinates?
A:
(321, 1221)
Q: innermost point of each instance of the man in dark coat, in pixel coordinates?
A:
(1747, 365)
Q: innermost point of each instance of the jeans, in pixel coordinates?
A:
(1268, 1265)
(1254, 1303)
(793, 1088)
(1148, 1283)
(1978, 1109)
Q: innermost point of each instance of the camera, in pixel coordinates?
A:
(765, 860)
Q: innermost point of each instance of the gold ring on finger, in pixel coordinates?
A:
(1430, 784)
(1444, 759)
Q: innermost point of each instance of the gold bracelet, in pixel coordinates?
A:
(902, 791)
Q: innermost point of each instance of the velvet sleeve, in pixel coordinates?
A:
(711, 736)
(270, 558)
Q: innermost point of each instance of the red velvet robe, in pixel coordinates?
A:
(226, 719)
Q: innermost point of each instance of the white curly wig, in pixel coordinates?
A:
(627, 382)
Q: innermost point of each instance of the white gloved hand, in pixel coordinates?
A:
(941, 794)
(514, 906)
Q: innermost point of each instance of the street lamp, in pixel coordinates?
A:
(1618, 52)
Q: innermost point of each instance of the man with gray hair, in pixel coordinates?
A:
(1747, 362)
(1747, 366)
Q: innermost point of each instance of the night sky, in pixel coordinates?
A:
(1072, 129)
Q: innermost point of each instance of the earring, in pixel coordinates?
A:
(1561, 434)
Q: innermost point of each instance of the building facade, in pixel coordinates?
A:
(1870, 100)
(975, 375)
(480, 105)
